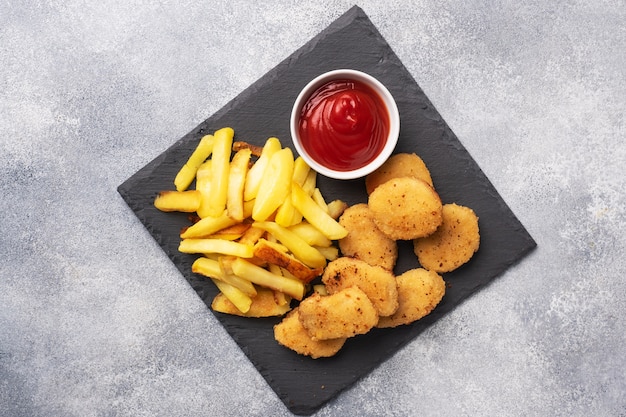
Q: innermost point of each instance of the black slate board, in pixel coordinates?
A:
(261, 111)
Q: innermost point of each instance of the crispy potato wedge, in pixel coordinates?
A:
(185, 201)
(187, 173)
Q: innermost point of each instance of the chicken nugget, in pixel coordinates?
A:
(290, 333)
(453, 244)
(364, 240)
(398, 165)
(406, 208)
(378, 283)
(419, 292)
(346, 313)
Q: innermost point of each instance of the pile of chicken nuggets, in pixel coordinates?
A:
(361, 291)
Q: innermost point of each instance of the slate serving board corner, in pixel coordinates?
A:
(262, 110)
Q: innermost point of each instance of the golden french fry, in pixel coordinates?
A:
(319, 199)
(301, 171)
(236, 182)
(223, 140)
(208, 226)
(268, 252)
(255, 150)
(265, 278)
(213, 269)
(310, 182)
(310, 234)
(330, 252)
(336, 208)
(255, 174)
(286, 215)
(203, 185)
(185, 201)
(264, 304)
(306, 253)
(233, 232)
(225, 247)
(252, 235)
(275, 185)
(187, 173)
(240, 301)
(316, 215)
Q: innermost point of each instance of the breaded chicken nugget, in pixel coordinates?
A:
(406, 208)
(364, 240)
(346, 313)
(398, 165)
(290, 333)
(453, 244)
(419, 292)
(378, 283)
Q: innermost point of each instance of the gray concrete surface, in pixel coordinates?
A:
(96, 321)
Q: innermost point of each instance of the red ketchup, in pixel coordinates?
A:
(344, 125)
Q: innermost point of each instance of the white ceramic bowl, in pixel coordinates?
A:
(389, 103)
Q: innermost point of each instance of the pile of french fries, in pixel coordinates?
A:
(261, 226)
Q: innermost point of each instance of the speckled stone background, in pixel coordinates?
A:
(96, 321)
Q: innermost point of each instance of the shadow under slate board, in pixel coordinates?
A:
(262, 110)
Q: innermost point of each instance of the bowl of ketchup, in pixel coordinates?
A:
(345, 124)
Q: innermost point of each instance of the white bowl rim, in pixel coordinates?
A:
(394, 122)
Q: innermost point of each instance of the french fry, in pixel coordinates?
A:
(264, 304)
(213, 269)
(252, 235)
(208, 226)
(239, 300)
(330, 252)
(287, 215)
(316, 215)
(187, 173)
(265, 278)
(185, 201)
(236, 183)
(275, 185)
(310, 182)
(319, 199)
(301, 170)
(310, 234)
(233, 232)
(255, 174)
(223, 140)
(203, 185)
(255, 150)
(306, 253)
(224, 247)
(336, 208)
(268, 252)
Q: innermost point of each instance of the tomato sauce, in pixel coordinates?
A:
(344, 125)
